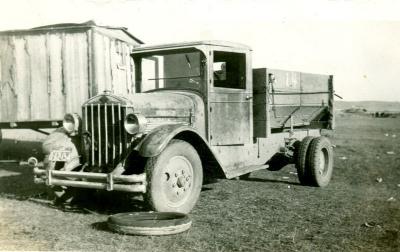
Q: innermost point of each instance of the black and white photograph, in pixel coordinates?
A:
(189, 125)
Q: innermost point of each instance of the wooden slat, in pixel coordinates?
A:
(99, 62)
(76, 74)
(37, 59)
(57, 108)
(107, 64)
(8, 99)
(22, 74)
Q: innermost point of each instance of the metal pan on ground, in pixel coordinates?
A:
(149, 223)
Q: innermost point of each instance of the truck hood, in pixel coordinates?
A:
(163, 104)
(160, 107)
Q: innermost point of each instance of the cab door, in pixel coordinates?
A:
(230, 99)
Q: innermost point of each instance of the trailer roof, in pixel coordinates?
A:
(72, 26)
(191, 44)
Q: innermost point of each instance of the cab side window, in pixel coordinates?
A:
(229, 70)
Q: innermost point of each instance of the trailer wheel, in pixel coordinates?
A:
(149, 223)
(301, 161)
(320, 161)
(174, 178)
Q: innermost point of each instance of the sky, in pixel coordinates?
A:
(356, 41)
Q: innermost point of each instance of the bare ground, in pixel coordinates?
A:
(266, 212)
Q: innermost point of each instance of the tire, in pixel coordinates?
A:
(320, 161)
(1, 136)
(149, 223)
(301, 161)
(174, 178)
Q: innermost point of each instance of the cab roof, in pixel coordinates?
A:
(191, 44)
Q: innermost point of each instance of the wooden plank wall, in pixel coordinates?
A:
(113, 67)
(45, 75)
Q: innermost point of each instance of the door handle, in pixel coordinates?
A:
(249, 97)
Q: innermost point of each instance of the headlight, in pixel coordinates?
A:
(135, 123)
(71, 123)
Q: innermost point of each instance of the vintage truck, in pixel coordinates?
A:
(200, 110)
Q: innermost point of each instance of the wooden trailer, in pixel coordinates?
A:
(48, 71)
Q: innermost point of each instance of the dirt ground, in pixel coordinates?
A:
(270, 211)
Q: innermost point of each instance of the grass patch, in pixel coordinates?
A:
(265, 212)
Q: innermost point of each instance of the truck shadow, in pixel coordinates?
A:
(102, 202)
(18, 150)
(271, 181)
(16, 181)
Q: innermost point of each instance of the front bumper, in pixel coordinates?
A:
(101, 181)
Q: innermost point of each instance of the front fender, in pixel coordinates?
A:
(59, 140)
(156, 141)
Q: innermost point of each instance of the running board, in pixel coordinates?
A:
(244, 170)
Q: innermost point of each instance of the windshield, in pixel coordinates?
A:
(173, 70)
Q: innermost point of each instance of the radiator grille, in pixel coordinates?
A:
(109, 140)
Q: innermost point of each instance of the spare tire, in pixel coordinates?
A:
(149, 223)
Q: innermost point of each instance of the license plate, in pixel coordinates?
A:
(60, 156)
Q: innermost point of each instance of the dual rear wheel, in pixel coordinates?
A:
(314, 161)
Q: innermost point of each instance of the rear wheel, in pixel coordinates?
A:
(301, 160)
(320, 161)
(174, 178)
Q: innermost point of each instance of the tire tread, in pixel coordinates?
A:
(316, 145)
(302, 161)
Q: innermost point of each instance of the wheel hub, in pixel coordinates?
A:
(181, 182)
(178, 179)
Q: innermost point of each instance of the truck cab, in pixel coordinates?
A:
(199, 110)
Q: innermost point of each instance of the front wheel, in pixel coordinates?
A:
(175, 178)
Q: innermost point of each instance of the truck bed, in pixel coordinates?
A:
(284, 99)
